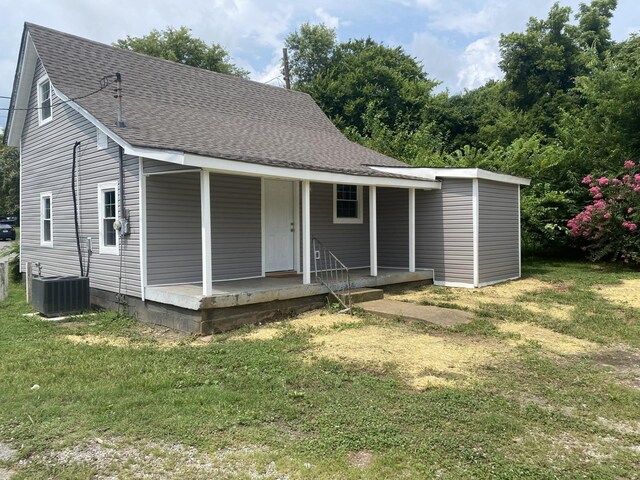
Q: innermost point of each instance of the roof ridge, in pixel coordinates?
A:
(30, 25)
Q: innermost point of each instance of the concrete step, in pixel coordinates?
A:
(359, 295)
(446, 317)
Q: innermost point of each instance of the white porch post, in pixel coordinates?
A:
(373, 231)
(306, 232)
(412, 229)
(205, 221)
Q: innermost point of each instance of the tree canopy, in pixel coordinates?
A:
(568, 105)
(178, 45)
(361, 84)
(9, 179)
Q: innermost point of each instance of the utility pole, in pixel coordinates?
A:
(285, 69)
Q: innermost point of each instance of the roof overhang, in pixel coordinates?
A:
(25, 69)
(247, 168)
(468, 173)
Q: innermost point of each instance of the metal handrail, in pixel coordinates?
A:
(332, 273)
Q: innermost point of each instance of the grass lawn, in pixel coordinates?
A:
(544, 383)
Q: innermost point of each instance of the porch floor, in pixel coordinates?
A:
(234, 293)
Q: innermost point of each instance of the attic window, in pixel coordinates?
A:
(45, 111)
(347, 204)
(102, 141)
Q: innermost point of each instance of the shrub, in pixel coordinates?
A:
(608, 226)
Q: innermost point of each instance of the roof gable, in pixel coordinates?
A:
(171, 106)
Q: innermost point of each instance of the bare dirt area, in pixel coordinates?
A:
(501, 294)
(315, 321)
(115, 458)
(623, 362)
(423, 360)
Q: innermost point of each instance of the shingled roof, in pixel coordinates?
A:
(170, 106)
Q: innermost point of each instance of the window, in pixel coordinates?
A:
(102, 141)
(46, 220)
(108, 208)
(347, 204)
(45, 111)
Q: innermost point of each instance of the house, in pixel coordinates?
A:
(193, 188)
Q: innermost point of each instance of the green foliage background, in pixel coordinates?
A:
(569, 105)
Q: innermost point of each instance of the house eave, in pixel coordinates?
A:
(221, 165)
(19, 102)
(466, 173)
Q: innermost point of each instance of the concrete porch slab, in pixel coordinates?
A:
(236, 293)
(446, 317)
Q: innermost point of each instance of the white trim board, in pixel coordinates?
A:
(469, 173)
(452, 284)
(142, 216)
(25, 72)
(476, 232)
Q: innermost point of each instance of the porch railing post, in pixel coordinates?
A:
(373, 231)
(205, 221)
(306, 232)
(412, 229)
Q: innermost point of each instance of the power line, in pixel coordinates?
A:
(104, 83)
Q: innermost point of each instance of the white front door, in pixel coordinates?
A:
(278, 223)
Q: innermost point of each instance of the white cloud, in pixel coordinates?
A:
(436, 55)
(479, 63)
(326, 18)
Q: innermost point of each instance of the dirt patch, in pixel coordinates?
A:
(625, 428)
(625, 365)
(501, 294)
(423, 360)
(6, 474)
(7, 454)
(626, 294)
(550, 340)
(361, 459)
(317, 320)
(143, 336)
(99, 340)
(115, 458)
(563, 444)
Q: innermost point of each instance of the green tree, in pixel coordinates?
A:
(360, 84)
(9, 179)
(311, 50)
(180, 46)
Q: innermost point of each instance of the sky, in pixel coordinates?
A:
(455, 40)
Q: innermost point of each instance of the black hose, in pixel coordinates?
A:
(75, 207)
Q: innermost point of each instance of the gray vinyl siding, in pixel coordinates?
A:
(46, 157)
(174, 237)
(393, 227)
(498, 249)
(236, 224)
(444, 231)
(348, 241)
(156, 166)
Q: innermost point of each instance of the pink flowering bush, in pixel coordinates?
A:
(608, 226)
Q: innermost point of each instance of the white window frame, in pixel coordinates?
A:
(102, 140)
(107, 249)
(43, 121)
(337, 219)
(43, 242)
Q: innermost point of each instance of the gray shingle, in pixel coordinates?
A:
(171, 106)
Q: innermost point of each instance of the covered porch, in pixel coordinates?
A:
(214, 239)
(235, 293)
